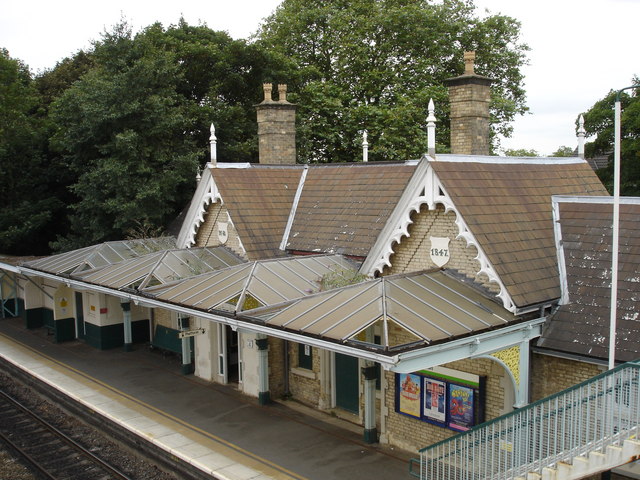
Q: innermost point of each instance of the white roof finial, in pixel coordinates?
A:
(431, 130)
(212, 143)
(365, 147)
(581, 134)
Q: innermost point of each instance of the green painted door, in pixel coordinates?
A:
(347, 382)
(80, 329)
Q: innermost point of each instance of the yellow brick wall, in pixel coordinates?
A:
(303, 388)
(550, 375)
(413, 252)
(412, 434)
(164, 317)
(207, 235)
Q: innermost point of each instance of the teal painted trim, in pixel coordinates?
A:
(187, 369)
(370, 435)
(64, 330)
(264, 398)
(128, 347)
(104, 338)
(112, 336)
(167, 339)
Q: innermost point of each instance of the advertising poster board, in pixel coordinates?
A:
(461, 412)
(434, 400)
(444, 397)
(410, 394)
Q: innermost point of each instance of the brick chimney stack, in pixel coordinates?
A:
(469, 97)
(276, 128)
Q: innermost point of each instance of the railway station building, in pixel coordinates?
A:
(415, 299)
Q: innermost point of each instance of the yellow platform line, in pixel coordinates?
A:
(239, 451)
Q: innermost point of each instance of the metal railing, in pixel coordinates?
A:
(602, 411)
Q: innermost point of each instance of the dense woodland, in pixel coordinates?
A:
(107, 143)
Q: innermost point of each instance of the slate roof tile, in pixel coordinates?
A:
(507, 207)
(343, 208)
(581, 327)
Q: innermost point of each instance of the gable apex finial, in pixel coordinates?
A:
(431, 130)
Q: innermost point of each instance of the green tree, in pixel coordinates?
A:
(599, 122)
(521, 152)
(563, 152)
(134, 125)
(123, 130)
(374, 65)
(29, 207)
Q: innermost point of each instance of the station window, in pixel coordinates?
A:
(305, 356)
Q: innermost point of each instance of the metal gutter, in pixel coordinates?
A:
(294, 208)
(469, 347)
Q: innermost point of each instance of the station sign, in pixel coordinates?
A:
(190, 333)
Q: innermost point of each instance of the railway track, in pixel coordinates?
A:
(52, 454)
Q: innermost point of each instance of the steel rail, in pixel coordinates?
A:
(59, 435)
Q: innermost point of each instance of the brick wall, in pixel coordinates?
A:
(412, 434)
(277, 133)
(304, 384)
(550, 375)
(163, 317)
(469, 97)
(413, 253)
(207, 235)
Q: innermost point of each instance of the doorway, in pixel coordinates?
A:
(347, 383)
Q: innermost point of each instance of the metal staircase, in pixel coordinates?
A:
(586, 429)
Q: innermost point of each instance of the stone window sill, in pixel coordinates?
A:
(303, 372)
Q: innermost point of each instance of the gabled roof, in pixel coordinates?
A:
(259, 201)
(506, 204)
(342, 208)
(100, 255)
(584, 240)
(304, 208)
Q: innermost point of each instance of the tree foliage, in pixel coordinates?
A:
(599, 122)
(134, 126)
(521, 152)
(374, 65)
(27, 185)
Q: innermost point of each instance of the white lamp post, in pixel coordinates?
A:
(616, 229)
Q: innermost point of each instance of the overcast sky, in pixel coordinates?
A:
(581, 49)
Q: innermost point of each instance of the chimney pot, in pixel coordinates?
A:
(469, 99)
(267, 92)
(469, 60)
(282, 92)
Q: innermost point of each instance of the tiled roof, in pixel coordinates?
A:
(343, 208)
(581, 327)
(259, 201)
(506, 203)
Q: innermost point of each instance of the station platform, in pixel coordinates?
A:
(213, 427)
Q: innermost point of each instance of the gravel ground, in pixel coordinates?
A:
(125, 460)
